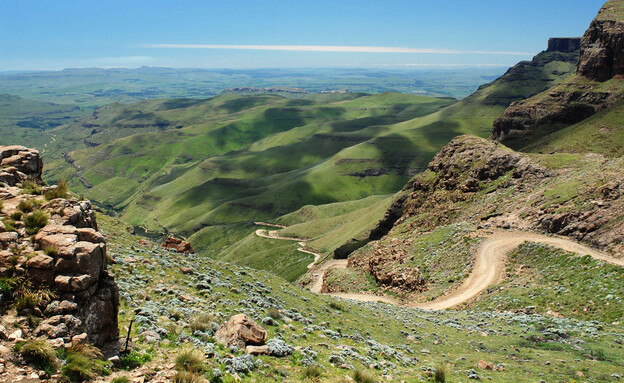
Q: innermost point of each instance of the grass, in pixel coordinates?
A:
(26, 206)
(60, 191)
(121, 379)
(41, 354)
(560, 283)
(405, 330)
(187, 377)
(313, 371)
(363, 376)
(83, 362)
(190, 360)
(35, 221)
(202, 322)
(134, 359)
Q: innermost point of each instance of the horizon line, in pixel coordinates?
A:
(327, 48)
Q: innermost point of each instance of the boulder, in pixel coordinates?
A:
(178, 245)
(241, 331)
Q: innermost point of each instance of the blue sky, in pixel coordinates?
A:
(55, 34)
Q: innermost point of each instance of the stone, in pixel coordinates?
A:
(486, 365)
(79, 339)
(40, 262)
(4, 335)
(8, 237)
(186, 270)
(178, 245)
(257, 350)
(241, 331)
(17, 334)
(57, 342)
(88, 234)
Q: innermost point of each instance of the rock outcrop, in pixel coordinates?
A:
(601, 59)
(241, 331)
(178, 245)
(66, 256)
(18, 164)
(564, 44)
(602, 48)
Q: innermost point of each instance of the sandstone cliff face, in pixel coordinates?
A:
(602, 47)
(601, 59)
(67, 256)
(564, 44)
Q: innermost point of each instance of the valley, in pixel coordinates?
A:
(266, 225)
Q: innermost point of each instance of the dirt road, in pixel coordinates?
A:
(490, 265)
(488, 268)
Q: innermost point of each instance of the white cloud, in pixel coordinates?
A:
(326, 48)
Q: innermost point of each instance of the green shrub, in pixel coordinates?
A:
(83, 363)
(41, 354)
(439, 376)
(25, 206)
(337, 306)
(16, 216)
(29, 187)
(60, 191)
(9, 224)
(35, 221)
(275, 313)
(190, 360)
(52, 251)
(134, 360)
(363, 376)
(312, 371)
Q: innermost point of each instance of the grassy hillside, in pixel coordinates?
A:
(206, 168)
(602, 133)
(28, 122)
(381, 341)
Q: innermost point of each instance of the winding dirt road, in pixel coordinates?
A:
(489, 267)
(273, 234)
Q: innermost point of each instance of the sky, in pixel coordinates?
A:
(57, 34)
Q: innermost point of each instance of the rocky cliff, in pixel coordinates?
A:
(602, 48)
(564, 44)
(51, 251)
(475, 185)
(596, 86)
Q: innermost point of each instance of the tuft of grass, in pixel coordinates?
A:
(41, 354)
(201, 322)
(312, 371)
(52, 251)
(24, 294)
(190, 360)
(188, 377)
(439, 376)
(337, 306)
(35, 221)
(275, 313)
(134, 360)
(83, 363)
(29, 187)
(25, 206)
(16, 216)
(60, 191)
(363, 376)
(9, 224)
(121, 379)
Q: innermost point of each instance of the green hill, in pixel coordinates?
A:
(208, 168)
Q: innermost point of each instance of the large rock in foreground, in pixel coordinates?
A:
(241, 331)
(67, 255)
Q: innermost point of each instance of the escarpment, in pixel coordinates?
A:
(596, 86)
(51, 251)
(474, 186)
